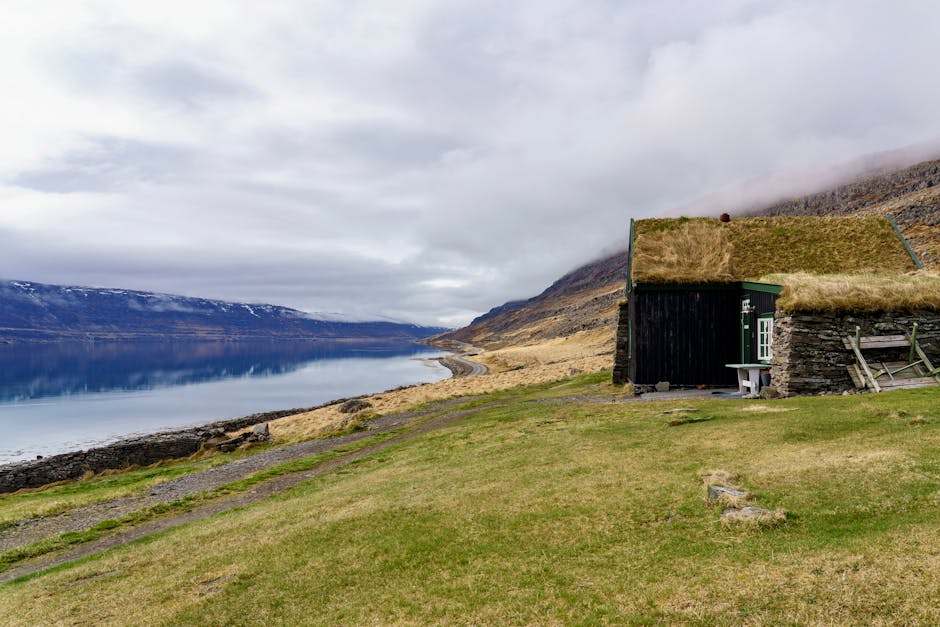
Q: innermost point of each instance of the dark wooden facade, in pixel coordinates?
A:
(685, 334)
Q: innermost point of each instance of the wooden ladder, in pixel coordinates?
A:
(863, 376)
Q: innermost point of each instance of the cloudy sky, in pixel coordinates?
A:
(419, 160)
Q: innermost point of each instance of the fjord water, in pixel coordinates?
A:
(69, 396)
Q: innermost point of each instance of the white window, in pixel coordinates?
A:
(765, 337)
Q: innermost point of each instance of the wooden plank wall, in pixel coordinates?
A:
(686, 336)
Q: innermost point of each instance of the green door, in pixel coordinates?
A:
(746, 315)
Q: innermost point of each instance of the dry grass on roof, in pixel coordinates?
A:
(841, 293)
(682, 251)
(704, 250)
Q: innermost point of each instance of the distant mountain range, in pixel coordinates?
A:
(39, 312)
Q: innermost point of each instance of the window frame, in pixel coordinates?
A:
(765, 331)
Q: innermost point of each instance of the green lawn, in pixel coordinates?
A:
(555, 511)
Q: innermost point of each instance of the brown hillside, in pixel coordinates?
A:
(582, 300)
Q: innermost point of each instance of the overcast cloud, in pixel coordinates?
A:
(419, 160)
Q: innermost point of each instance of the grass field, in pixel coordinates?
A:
(556, 510)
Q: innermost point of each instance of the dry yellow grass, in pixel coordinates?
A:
(718, 477)
(834, 293)
(704, 250)
(551, 360)
(684, 251)
(556, 350)
(756, 518)
(766, 409)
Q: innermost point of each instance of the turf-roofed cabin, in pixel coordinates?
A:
(713, 303)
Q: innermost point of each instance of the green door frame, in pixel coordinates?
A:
(746, 320)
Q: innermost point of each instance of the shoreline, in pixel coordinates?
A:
(150, 448)
(505, 368)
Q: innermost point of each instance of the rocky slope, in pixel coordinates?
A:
(39, 312)
(582, 300)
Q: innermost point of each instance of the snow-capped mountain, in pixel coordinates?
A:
(36, 311)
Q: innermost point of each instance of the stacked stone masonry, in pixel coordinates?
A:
(622, 348)
(809, 356)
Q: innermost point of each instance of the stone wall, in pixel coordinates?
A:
(810, 358)
(622, 349)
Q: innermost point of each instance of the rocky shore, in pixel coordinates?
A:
(151, 448)
(136, 451)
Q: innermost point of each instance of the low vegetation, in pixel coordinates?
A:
(704, 250)
(837, 293)
(95, 489)
(559, 505)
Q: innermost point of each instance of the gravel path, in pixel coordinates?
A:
(258, 492)
(86, 517)
(460, 367)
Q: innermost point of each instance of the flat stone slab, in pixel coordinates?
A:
(753, 515)
(715, 491)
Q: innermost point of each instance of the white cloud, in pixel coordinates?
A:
(421, 160)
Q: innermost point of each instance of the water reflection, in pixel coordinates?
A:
(47, 370)
(61, 397)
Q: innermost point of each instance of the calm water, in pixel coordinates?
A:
(61, 397)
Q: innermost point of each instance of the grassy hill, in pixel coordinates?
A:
(561, 503)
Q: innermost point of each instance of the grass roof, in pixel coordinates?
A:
(828, 293)
(705, 250)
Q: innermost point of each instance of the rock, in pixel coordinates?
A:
(769, 392)
(729, 497)
(574, 372)
(662, 386)
(353, 405)
(261, 431)
(714, 491)
(754, 516)
(215, 441)
(230, 445)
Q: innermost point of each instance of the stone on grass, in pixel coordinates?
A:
(353, 405)
(261, 431)
(662, 386)
(769, 391)
(729, 497)
(751, 515)
(714, 491)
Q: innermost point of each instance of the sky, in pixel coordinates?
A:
(423, 161)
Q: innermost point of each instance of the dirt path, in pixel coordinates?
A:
(83, 518)
(461, 367)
